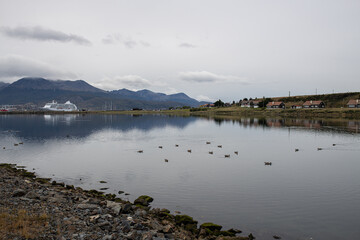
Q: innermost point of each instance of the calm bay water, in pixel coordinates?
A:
(308, 194)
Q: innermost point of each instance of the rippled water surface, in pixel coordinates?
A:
(304, 194)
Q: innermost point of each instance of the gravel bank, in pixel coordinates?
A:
(34, 208)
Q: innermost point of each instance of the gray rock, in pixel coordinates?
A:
(125, 226)
(160, 235)
(26, 199)
(104, 225)
(18, 193)
(91, 201)
(167, 229)
(82, 236)
(106, 216)
(87, 206)
(140, 213)
(97, 211)
(147, 236)
(56, 199)
(32, 195)
(135, 235)
(139, 226)
(169, 236)
(114, 206)
(107, 237)
(126, 208)
(44, 198)
(52, 193)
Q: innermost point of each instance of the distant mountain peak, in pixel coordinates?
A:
(149, 95)
(3, 85)
(39, 90)
(46, 84)
(179, 94)
(143, 90)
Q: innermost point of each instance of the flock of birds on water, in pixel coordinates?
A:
(226, 155)
(189, 151)
(210, 152)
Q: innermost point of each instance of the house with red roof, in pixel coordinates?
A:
(353, 103)
(275, 105)
(314, 104)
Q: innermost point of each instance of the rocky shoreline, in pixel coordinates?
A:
(36, 208)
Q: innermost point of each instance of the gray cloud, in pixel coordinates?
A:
(208, 77)
(133, 82)
(128, 81)
(187, 45)
(128, 42)
(43, 34)
(14, 66)
(111, 39)
(145, 44)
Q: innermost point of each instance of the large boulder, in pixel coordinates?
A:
(187, 222)
(143, 200)
(114, 206)
(211, 226)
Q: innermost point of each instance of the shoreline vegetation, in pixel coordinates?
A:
(228, 112)
(38, 208)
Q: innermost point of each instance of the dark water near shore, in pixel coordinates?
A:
(308, 194)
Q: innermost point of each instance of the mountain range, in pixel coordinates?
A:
(39, 91)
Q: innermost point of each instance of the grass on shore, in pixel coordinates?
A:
(21, 223)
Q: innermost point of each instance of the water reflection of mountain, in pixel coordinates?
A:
(325, 125)
(81, 126)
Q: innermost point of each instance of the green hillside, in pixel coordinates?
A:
(335, 100)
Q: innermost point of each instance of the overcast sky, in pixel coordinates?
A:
(227, 49)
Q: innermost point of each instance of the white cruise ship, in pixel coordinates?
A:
(54, 106)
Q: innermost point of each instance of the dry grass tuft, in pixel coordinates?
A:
(21, 223)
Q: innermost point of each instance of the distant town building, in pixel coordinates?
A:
(7, 108)
(18, 108)
(354, 103)
(245, 104)
(275, 105)
(314, 104)
(296, 106)
(250, 103)
(208, 105)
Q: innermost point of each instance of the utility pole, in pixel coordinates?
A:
(315, 91)
(289, 93)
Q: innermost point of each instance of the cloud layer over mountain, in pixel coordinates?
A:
(14, 66)
(43, 34)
